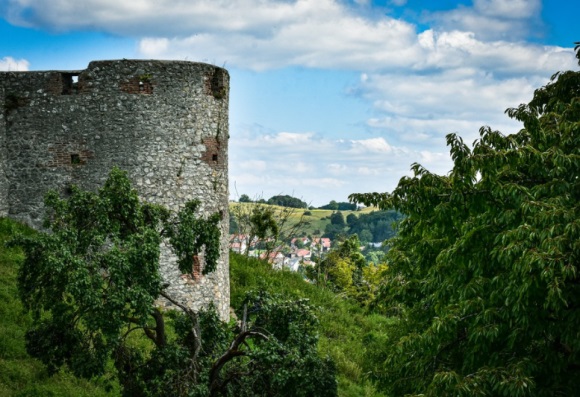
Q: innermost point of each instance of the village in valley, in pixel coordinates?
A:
(300, 251)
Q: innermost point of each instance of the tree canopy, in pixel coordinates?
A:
(244, 198)
(287, 201)
(339, 206)
(484, 270)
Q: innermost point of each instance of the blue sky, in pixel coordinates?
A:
(328, 97)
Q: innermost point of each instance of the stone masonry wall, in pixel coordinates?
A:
(3, 160)
(164, 122)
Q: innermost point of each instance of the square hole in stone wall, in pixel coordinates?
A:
(75, 158)
(214, 157)
(70, 83)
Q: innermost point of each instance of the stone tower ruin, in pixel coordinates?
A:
(164, 122)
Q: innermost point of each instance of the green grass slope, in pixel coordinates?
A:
(348, 334)
(20, 375)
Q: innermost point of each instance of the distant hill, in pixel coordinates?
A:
(315, 220)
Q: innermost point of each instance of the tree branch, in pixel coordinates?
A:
(214, 383)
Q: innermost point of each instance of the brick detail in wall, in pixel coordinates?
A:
(214, 153)
(67, 155)
(60, 83)
(137, 85)
(196, 273)
(215, 84)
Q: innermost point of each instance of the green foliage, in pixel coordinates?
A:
(20, 375)
(93, 279)
(244, 198)
(353, 338)
(265, 226)
(263, 223)
(375, 226)
(304, 225)
(90, 287)
(342, 206)
(190, 234)
(287, 201)
(285, 360)
(484, 271)
(345, 270)
(337, 218)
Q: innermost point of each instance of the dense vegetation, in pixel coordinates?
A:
(21, 375)
(282, 200)
(481, 282)
(350, 336)
(353, 337)
(484, 271)
(90, 286)
(339, 206)
(287, 201)
(376, 226)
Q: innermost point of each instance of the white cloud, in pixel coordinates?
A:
(10, 64)
(320, 169)
(493, 19)
(252, 165)
(288, 138)
(510, 9)
(266, 34)
(372, 145)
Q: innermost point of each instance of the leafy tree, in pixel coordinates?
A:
(366, 236)
(244, 198)
(286, 362)
(287, 201)
(381, 224)
(334, 232)
(484, 270)
(266, 226)
(342, 267)
(342, 206)
(337, 218)
(351, 219)
(91, 286)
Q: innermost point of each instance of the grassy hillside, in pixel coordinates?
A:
(316, 221)
(20, 375)
(350, 336)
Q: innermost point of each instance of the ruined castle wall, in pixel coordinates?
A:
(164, 122)
(3, 160)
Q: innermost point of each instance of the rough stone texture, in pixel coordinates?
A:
(164, 122)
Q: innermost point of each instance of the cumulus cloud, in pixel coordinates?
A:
(320, 169)
(10, 64)
(493, 19)
(372, 145)
(266, 34)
